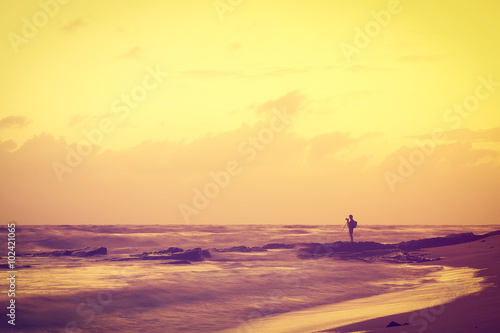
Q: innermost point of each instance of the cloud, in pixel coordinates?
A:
(461, 154)
(326, 144)
(73, 25)
(464, 134)
(8, 145)
(416, 58)
(134, 53)
(283, 71)
(291, 179)
(210, 74)
(362, 68)
(468, 135)
(14, 122)
(291, 102)
(234, 47)
(78, 119)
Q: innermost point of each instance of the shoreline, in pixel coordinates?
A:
(321, 318)
(478, 312)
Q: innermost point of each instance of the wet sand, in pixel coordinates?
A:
(478, 312)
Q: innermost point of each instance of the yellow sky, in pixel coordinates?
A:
(171, 91)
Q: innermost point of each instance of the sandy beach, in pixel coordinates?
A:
(292, 284)
(479, 312)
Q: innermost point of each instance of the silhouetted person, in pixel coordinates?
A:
(351, 224)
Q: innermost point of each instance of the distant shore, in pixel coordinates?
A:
(478, 312)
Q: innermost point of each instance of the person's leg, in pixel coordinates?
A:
(350, 233)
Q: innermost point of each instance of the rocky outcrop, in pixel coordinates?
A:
(274, 246)
(171, 249)
(191, 255)
(308, 251)
(242, 248)
(85, 252)
(7, 266)
(178, 262)
(89, 252)
(440, 241)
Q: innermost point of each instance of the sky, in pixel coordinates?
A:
(236, 112)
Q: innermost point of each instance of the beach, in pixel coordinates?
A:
(479, 312)
(255, 278)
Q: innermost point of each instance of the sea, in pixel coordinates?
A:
(271, 291)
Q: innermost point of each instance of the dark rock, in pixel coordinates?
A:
(171, 249)
(178, 262)
(257, 249)
(60, 253)
(392, 324)
(275, 246)
(492, 233)
(89, 252)
(237, 249)
(206, 254)
(346, 249)
(7, 266)
(191, 255)
(85, 252)
(440, 241)
(405, 324)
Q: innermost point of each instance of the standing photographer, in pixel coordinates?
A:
(351, 224)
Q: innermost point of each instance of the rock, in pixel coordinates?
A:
(89, 252)
(178, 262)
(206, 254)
(7, 266)
(191, 255)
(346, 249)
(85, 252)
(274, 246)
(492, 233)
(257, 249)
(60, 253)
(392, 324)
(440, 241)
(171, 249)
(237, 249)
